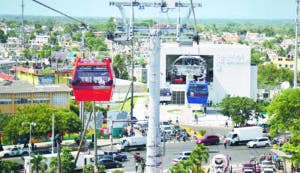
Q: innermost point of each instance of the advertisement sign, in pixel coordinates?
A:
(46, 80)
(115, 116)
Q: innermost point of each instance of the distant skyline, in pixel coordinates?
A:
(211, 9)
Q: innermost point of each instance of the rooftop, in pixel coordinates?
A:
(18, 86)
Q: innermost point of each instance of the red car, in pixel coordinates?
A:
(251, 166)
(208, 139)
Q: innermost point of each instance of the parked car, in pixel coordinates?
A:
(208, 139)
(267, 164)
(15, 151)
(134, 120)
(265, 127)
(248, 171)
(250, 166)
(109, 163)
(268, 170)
(259, 142)
(116, 155)
(176, 128)
(166, 129)
(179, 159)
(281, 139)
(185, 153)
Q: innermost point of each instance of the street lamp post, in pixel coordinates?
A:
(29, 151)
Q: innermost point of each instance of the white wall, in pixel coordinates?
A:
(231, 65)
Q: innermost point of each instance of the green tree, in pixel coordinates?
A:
(198, 155)
(271, 75)
(110, 25)
(194, 163)
(284, 113)
(37, 163)
(65, 121)
(256, 56)
(9, 166)
(67, 161)
(268, 44)
(239, 109)
(120, 67)
(3, 37)
(281, 51)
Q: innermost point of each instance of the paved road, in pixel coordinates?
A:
(238, 154)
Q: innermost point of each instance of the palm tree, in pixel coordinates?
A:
(37, 162)
(198, 155)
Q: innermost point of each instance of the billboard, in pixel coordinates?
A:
(117, 116)
(46, 80)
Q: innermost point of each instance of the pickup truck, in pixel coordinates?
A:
(15, 151)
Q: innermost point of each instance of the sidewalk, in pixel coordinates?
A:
(100, 143)
(183, 113)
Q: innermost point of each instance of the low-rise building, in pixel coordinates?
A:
(16, 94)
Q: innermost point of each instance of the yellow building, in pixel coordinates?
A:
(285, 62)
(15, 94)
(43, 77)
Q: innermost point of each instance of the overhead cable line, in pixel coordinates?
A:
(70, 17)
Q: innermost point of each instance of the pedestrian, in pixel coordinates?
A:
(136, 166)
(226, 123)
(225, 143)
(143, 166)
(32, 146)
(196, 118)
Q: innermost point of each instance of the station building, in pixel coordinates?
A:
(228, 70)
(17, 93)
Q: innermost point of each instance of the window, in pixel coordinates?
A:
(60, 99)
(5, 101)
(92, 75)
(41, 100)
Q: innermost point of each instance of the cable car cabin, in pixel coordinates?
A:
(92, 80)
(197, 92)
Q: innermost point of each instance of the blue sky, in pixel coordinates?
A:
(216, 9)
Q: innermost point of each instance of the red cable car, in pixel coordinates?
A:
(93, 80)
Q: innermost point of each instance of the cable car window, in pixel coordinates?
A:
(197, 88)
(92, 75)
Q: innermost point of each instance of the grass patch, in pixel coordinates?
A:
(175, 111)
(127, 106)
(198, 112)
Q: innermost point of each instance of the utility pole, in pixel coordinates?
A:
(23, 34)
(296, 46)
(154, 155)
(95, 140)
(131, 32)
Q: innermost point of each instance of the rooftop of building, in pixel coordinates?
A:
(18, 86)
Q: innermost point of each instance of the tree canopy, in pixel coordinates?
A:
(284, 112)
(120, 67)
(194, 163)
(239, 109)
(65, 121)
(273, 76)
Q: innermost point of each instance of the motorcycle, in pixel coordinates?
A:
(138, 157)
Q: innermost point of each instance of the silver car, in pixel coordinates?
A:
(259, 142)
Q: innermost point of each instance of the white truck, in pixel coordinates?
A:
(134, 142)
(243, 135)
(15, 151)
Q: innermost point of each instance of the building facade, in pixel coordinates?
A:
(228, 70)
(15, 94)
